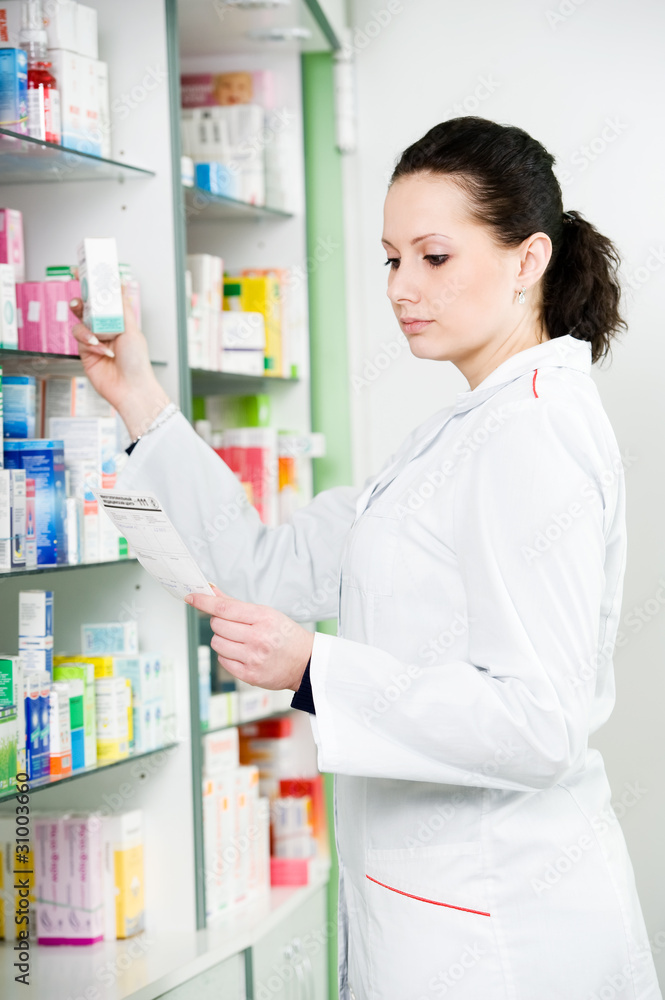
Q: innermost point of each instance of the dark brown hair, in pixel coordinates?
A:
(509, 179)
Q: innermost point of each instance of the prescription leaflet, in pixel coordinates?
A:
(140, 518)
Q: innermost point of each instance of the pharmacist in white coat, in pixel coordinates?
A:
(477, 583)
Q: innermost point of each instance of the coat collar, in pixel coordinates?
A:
(562, 352)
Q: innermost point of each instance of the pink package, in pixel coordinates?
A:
(31, 314)
(289, 871)
(206, 90)
(57, 317)
(11, 241)
(49, 877)
(84, 910)
(72, 291)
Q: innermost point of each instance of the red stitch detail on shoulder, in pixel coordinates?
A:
(534, 383)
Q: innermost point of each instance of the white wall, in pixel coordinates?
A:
(561, 77)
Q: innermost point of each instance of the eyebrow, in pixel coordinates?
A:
(418, 239)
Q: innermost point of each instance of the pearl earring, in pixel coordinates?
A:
(520, 297)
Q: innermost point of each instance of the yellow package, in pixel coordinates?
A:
(16, 910)
(124, 899)
(263, 295)
(103, 664)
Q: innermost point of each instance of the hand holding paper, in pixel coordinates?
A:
(255, 643)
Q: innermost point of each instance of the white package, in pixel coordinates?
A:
(220, 752)
(86, 31)
(61, 26)
(10, 24)
(88, 76)
(90, 450)
(242, 330)
(8, 317)
(101, 288)
(65, 68)
(104, 108)
(107, 638)
(5, 521)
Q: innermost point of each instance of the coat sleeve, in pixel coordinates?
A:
(531, 512)
(293, 567)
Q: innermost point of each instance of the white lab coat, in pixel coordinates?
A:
(478, 604)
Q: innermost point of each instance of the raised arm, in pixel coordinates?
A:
(293, 568)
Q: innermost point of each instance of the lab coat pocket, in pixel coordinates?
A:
(370, 554)
(430, 921)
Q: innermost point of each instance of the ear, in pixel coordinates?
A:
(534, 257)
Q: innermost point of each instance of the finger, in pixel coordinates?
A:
(81, 333)
(225, 607)
(236, 669)
(131, 326)
(236, 631)
(229, 650)
(76, 306)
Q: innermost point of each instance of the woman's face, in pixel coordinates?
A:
(452, 288)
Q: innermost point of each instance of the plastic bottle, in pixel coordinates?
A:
(43, 96)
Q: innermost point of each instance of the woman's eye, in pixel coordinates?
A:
(436, 259)
(394, 263)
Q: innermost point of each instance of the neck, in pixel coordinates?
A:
(482, 362)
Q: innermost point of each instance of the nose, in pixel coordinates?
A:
(402, 286)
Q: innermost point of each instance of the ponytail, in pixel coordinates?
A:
(581, 290)
(512, 189)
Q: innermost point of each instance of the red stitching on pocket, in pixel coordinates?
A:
(421, 899)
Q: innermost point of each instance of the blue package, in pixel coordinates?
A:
(44, 461)
(216, 178)
(19, 398)
(14, 90)
(37, 731)
(78, 748)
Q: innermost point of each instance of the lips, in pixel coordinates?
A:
(412, 325)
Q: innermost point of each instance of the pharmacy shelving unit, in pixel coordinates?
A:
(137, 197)
(257, 236)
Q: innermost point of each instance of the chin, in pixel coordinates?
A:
(420, 348)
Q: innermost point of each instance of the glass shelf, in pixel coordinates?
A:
(49, 782)
(248, 722)
(209, 383)
(14, 362)
(9, 574)
(200, 204)
(29, 161)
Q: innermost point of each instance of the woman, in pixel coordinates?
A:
(478, 599)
